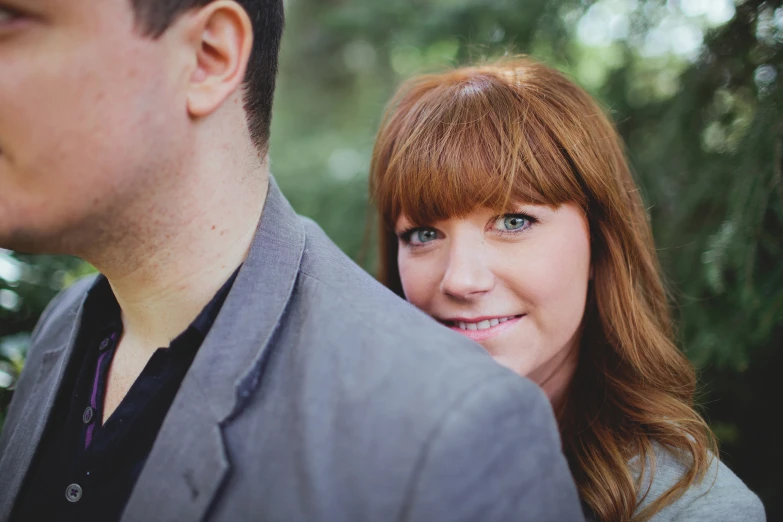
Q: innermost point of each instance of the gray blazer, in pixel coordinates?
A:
(318, 395)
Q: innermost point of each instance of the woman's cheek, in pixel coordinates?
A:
(556, 293)
(414, 279)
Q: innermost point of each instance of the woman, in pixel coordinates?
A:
(510, 215)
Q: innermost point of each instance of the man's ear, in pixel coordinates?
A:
(221, 36)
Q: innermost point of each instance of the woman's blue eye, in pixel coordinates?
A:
(511, 222)
(423, 235)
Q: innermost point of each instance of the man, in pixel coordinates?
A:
(229, 363)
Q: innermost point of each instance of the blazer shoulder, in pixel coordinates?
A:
(324, 261)
(719, 496)
(354, 301)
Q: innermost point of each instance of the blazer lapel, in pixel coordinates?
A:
(35, 411)
(188, 462)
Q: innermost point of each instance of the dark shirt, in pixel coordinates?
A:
(86, 471)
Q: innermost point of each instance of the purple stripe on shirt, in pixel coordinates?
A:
(94, 398)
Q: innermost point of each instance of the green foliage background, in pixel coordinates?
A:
(693, 86)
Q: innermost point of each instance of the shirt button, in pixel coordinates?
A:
(73, 493)
(104, 344)
(89, 413)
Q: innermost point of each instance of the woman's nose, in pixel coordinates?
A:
(467, 273)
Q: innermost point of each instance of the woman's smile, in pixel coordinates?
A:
(482, 328)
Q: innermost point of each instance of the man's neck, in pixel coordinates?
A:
(159, 301)
(164, 281)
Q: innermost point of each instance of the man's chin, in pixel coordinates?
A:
(27, 241)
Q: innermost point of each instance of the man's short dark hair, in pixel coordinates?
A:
(155, 16)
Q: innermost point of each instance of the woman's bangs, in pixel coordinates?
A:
(479, 147)
(451, 178)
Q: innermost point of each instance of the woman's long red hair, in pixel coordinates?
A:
(518, 130)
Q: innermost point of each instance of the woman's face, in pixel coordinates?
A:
(515, 283)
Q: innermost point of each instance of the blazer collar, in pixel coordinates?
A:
(188, 462)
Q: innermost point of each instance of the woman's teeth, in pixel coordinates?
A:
(482, 325)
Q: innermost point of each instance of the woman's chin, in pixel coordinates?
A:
(523, 368)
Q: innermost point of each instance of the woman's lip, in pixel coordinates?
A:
(481, 335)
(475, 319)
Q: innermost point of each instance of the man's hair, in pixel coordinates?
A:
(155, 16)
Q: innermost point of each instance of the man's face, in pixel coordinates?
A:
(90, 115)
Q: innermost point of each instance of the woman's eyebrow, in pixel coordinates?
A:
(16, 4)
(23, 6)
